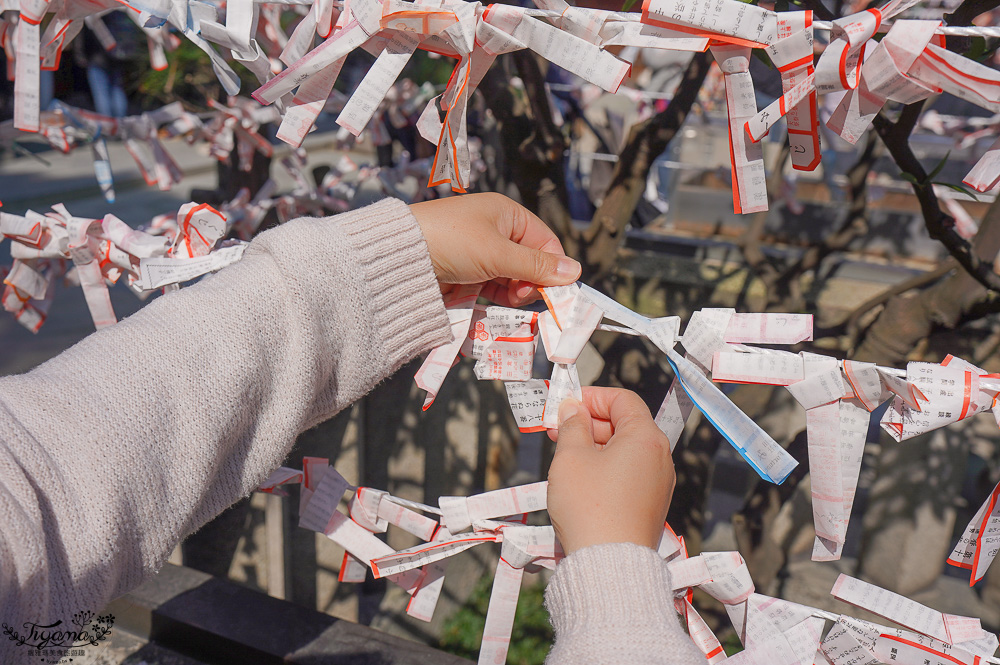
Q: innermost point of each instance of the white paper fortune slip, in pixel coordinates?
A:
(724, 20)
(749, 184)
(527, 403)
(768, 459)
(792, 54)
(978, 545)
(891, 605)
(773, 631)
(460, 305)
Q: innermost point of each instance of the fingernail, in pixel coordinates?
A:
(523, 290)
(568, 268)
(568, 409)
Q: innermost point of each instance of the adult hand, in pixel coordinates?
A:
(612, 475)
(491, 239)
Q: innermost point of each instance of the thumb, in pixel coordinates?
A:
(576, 429)
(536, 266)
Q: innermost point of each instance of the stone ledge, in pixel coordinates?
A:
(217, 620)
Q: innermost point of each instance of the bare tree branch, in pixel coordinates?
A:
(940, 226)
(854, 225)
(538, 174)
(645, 143)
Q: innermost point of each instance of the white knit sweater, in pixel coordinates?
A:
(116, 449)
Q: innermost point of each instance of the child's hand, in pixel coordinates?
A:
(489, 238)
(612, 475)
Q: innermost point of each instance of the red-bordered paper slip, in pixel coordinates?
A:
(492, 322)
(28, 73)
(21, 228)
(868, 633)
(977, 547)
(160, 271)
(507, 359)
(420, 555)
(460, 305)
(865, 382)
(953, 390)
(577, 322)
(792, 54)
(500, 614)
(702, 635)
(137, 243)
(902, 387)
(460, 512)
(352, 569)
(747, 157)
(280, 476)
(883, 77)
(893, 649)
(967, 79)
(83, 249)
(586, 60)
(375, 510)
(424, 600)
(365, 546)
(527, 402)
(626, 33)
(985, 175)
(776, 368)
(313, 62)
(769, 328)
(892, 606)
(747, 25)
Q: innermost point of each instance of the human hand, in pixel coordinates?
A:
(489, 238)
(612, 475)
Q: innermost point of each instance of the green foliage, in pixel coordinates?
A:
(532, 635)
(731, 643)
(929, 180)
(188, 77)
(958, 188)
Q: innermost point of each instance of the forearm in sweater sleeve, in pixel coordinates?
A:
(114, 450)
(613, 604)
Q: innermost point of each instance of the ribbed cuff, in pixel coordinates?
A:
(406, 298)
(609, 585)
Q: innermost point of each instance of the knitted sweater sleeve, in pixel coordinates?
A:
(612, 604)
(116, 449)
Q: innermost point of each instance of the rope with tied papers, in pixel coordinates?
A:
(908, 64)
